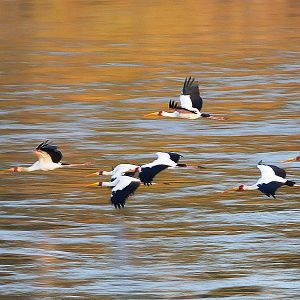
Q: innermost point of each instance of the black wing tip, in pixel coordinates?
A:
(43, 144)
(174, 153)
(290, 183)
(173, 104)
(190, 81)
(119, 205)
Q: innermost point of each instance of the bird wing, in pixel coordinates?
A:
(174, 156)
(278, 171)
(149, 172)
(123, 169)
(267, 174)
(175, 105)
(270, 188)
(54, 154)
(271, 179)
(125, 187)
(190, 97)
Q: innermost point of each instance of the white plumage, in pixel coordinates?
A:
(272, 178)
(49, 158)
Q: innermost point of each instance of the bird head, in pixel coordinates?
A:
(236, 189)
(15, 169)
(133, 172)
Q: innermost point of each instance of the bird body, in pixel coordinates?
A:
(164, 161)
(272, 178)
(179, 113)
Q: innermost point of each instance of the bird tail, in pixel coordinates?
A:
(290, 183)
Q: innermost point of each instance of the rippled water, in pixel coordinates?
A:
(83, 74)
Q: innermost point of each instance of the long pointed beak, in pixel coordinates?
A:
(236, 188)
(296, 185)
(7, 170)
(93, 184)
(92, 174)
(152, 114)
(289, 159)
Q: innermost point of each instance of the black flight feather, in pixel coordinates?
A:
(278, 171)
(190, 87)
(148, 173)
(270, 188)
(119, 197)
(174, 156)
(55, 154)
(175, 105)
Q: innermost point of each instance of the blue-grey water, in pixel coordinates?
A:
(83, 74)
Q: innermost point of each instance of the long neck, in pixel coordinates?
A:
(250, 187)
(24, 169)
(106, 172)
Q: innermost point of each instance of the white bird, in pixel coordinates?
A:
(147, 172)
(49, 158)
(122, 187)
(272, 178)
(165, 160)
(190, 104)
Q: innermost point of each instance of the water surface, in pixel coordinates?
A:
(83, 74)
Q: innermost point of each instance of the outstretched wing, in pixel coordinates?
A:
(123, 190)
(190, 94)
(174, 156)
(271, 179)
(51, 150)
(270, 188)
(270, 173)
(278, 171)
(148, 173)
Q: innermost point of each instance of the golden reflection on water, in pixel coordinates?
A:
(83, 74)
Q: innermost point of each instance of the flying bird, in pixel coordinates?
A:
(147, 172)
(272, 178)
(297, 158)
(165, 160)
(190, 104)
(122, 187)
(49, 158)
